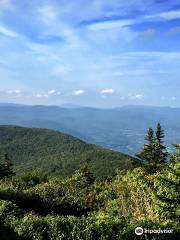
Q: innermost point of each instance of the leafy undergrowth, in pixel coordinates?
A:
(80, 207)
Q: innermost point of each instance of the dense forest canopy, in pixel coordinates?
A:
(58, 153)
(35, 204)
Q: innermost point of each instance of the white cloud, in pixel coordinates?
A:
(169, 15)
(6, 4)
(93, 44)
(41, 95)
(51, 92)
(43, 51)
(106, 25)
(107, 91)
(109, 34)
(7, 32)
(78, 92)
(47, 14)
(135, 97)
(139, 96)
(30, 94)
(47, 94)
(17, 91)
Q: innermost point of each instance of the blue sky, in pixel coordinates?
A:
(90, 52)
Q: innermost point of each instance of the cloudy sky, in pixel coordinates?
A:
(90, 52)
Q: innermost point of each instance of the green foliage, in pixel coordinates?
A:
(134, 196)
(57, 153)
(74, 208)
(6, 168)
(148, 153)
(8, 210)
(30, 226)
(34, 205)
(154, 152)
(168, 188)
(160, 150)
(33, 177)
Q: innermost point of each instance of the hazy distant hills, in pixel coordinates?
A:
(119, 129)
(57, 153)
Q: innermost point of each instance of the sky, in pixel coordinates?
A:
(97, 53)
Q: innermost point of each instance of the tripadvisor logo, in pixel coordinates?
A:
(139, 231)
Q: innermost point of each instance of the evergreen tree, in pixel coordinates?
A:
(168, 187)
(6, 168)
(160, 150)
(148, 154)
(87, 173)
(154, 151)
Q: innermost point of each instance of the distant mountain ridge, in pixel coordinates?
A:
(121, 129)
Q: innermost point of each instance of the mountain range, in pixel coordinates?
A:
(120, 129)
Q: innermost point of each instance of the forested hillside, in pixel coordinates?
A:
(83, 205)
(57, 153)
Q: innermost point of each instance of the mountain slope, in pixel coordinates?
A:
(57, 153)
